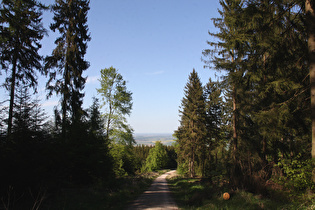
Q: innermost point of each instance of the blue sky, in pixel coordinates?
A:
(154, 44)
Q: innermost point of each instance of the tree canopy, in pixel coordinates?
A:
(117, 101)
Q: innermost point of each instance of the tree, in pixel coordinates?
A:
(29, 119)
(310, 21)
(21, 31)
(228, 55)
(66, 64)
(117, 102)
(262, 47)
(96, 121)
(157, 158)
(214, 120)
(191, 133)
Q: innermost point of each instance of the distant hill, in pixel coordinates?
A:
(151, 138)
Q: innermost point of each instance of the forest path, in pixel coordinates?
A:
(158, 196)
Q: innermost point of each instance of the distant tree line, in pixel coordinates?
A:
(255, 123)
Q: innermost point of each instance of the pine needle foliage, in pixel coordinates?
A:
(21, 31)
(66, 64)
(261, 46)
(191, 133)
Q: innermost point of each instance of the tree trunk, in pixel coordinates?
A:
(64, 102)
(234, 124)
(12, 90)
(193, 165)
(234, 175)
(310, 21)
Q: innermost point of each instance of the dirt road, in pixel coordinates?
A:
(157, 196)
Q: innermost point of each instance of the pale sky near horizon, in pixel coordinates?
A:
(154, 44)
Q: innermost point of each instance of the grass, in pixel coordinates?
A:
(122, 192)
(201, 194)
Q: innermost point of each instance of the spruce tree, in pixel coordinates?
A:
(228, 54)
(21, 31)
(29, 119)
(214, 121)
(96, 121)
(276, 89)
(262, 47)
(67, 63)
(191, 133)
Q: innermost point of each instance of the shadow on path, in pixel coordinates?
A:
(158, 196)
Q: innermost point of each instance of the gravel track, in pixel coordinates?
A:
(158, 196)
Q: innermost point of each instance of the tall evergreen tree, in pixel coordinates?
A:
(262, 48)
(228, 54)
(277, 72)
(191, 133)
(214, 120)
(214, 109)
(21, 31)
(67, 64)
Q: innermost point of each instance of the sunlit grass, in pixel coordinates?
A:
(201, 194)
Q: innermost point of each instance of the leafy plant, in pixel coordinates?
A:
(157, 158)
(297, 173)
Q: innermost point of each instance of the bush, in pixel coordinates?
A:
(297, 173)
(123, 160)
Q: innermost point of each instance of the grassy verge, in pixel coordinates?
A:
(118, 196)
(201, 194)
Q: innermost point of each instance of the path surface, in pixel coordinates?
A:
(158, 196)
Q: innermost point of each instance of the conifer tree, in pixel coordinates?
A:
(191, 133)
(20, 32)
(262, 49)
(96, 121)
(214, 107)
(29, 119)
(67, 64)
(276, 89)
(214, 120)
(228, 54)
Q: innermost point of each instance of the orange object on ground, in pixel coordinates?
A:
(226, 196)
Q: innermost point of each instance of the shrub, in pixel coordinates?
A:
(297, 173)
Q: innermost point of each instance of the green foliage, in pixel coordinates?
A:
(157, 158)
(123, 160)
(202, 194)
(261, 47)
(21, 31)
(66, 64)
(191, 134)
(297, 174)
(117, 101)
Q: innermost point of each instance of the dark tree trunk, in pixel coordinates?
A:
(310, 16)
(12, 90)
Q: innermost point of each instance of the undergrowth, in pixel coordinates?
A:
(116, 195)
(202, 194)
